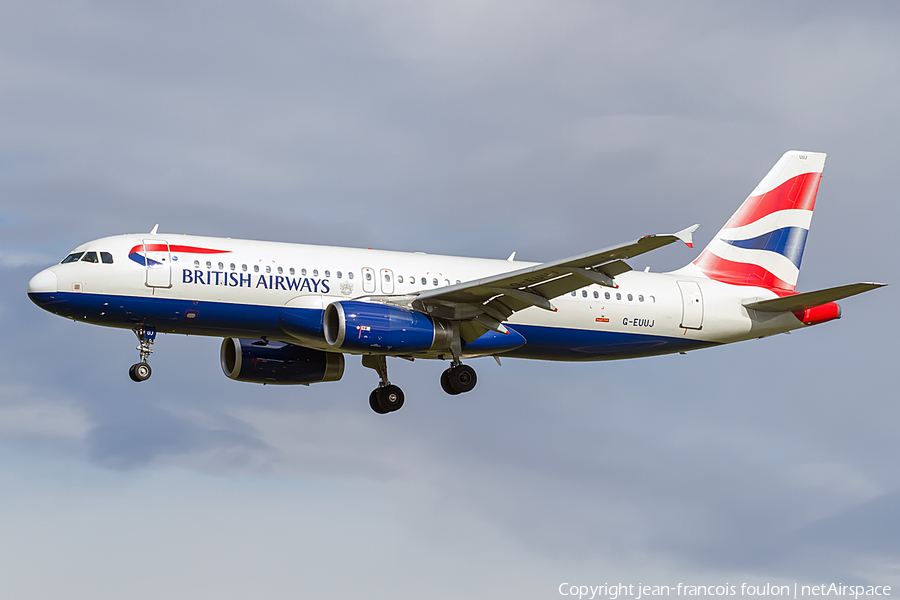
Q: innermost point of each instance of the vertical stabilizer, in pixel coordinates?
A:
(762, 244)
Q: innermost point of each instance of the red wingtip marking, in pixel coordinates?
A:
(689, 244)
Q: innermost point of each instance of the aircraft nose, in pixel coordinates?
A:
(43, 283)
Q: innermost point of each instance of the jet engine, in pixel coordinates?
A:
(367, 326)
(277, 363)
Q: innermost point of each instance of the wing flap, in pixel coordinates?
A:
(506, 293)
(808, 300)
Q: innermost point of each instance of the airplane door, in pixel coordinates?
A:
(368, 280)
(387, 281)
(158, 263)
(692, 303)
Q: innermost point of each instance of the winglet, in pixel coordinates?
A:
(512, 257)
(153, 231)
(686, 235)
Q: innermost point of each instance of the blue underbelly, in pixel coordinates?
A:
(557, 343)
(221, 319)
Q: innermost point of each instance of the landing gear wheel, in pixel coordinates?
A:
(373, 402)
(445, 383)
(390, 398)
(140, 372)
(462, 378)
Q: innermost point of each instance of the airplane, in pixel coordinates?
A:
(288, 313)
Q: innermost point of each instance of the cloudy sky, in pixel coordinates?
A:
(478, 128)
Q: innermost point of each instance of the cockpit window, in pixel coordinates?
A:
(90, 257)
(106, 258)
(72, 257)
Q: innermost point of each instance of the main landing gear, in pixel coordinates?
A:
(458, 379)
(386, 397)
(146, 335)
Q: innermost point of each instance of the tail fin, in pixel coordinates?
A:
(762, 244)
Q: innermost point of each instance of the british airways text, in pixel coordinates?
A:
(269, 282)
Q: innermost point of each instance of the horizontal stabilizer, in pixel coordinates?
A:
(808, 300)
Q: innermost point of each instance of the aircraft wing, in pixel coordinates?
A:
(491, 300)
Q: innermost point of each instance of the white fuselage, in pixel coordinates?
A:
(236, 288)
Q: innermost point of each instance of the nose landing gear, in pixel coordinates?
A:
(146, 335)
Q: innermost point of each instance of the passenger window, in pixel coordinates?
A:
(196, 264)
(618, 296)
(584, 293)
(368, 276)
(256, 268)
(72, 257)
(606, 295)
(424, 281)
(232, 266)
(327, 273)
(315, 272)
(243, 267)
(291, 271)
(458, 281)
(208, 265)
(630, 297)
(596, 295)
(640, 298)
(303, 272)
(90, 257)
(387, 278)
(339, 274)
(574, 293)
(399, 278)
(268, 269)
(652, 299)
(280, 270)
(350, 275)
(106, 258)
(434, 282)
(221, 267)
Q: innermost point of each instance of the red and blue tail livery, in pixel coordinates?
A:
(290, 313)
(762, 244)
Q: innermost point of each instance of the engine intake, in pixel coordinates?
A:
(277, 363)
(367, 326)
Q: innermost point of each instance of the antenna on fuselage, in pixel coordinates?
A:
(153, 231)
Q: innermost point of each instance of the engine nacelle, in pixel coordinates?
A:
(276, 363)
(819, 314)
(367, 326)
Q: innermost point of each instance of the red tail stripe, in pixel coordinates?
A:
(796, 193)
(188, 249)
(736, 273)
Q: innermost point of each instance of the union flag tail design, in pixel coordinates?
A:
(762, 244)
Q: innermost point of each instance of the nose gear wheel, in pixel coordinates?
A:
(146, 335)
